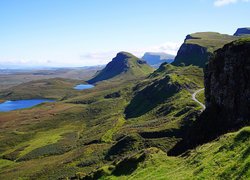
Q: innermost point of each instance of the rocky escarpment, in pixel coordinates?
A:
(242, 31)
(192, 54)
(227, 92)
(199, 47)
(227, 83)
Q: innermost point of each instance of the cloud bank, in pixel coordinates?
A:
(83, 58)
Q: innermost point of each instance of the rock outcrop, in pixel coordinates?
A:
(242, 31)
(199, 47)
(227, 83)
(227, 92)
(192, 54)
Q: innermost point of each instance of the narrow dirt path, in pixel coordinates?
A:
(196, 100)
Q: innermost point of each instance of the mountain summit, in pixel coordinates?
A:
(125, 66)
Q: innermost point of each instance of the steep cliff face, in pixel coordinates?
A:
(242, 31)
(227, 92)
(198, 48)
(192, 54)
(227, 83)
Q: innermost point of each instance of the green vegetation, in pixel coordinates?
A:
(242, 40)
(200, 96)
(226, 158)
(56, 88)
(210, 40)
(121, 129)
(108, 136)
(86, 129)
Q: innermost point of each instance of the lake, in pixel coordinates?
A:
(21, 104)
(83, 86)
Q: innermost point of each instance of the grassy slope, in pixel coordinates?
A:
(36, 140)
(78, 134)
(201, 97)
(211, 40)
(226, 158)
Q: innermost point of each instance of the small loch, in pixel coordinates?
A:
(21, 104)
(83, 86)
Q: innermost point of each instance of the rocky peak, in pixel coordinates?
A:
(123, 64)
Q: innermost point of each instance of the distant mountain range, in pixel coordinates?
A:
(155, 59)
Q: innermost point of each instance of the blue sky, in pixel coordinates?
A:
(90, 32)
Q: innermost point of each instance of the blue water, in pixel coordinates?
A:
(21, 104)
(83, 86)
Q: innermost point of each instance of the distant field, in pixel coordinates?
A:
(10, 78)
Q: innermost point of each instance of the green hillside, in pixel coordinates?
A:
(123, 128)
(124, 66)
(91, 130)
(226, 158)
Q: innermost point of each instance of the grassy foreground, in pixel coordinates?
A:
(226, 158)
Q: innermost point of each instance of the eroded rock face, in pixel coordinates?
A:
(227, 83)
(192, 54)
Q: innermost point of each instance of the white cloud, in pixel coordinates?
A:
(168, 47)
(219, 3)
(97, 58)
(84, 58)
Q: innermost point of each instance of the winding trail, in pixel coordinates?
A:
(196, 100)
